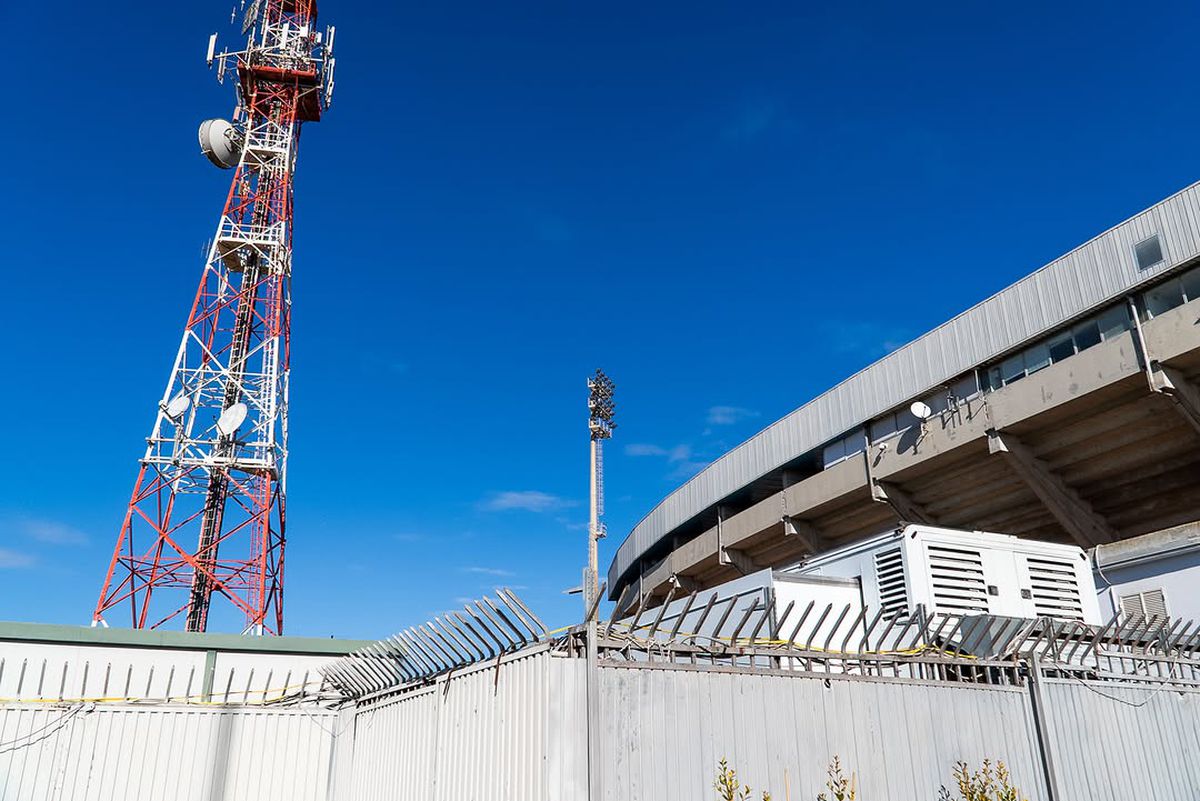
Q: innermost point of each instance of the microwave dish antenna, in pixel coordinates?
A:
(220, 143)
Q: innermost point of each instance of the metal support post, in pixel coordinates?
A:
(1037, 697)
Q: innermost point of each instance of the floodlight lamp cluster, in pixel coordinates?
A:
(600, 405)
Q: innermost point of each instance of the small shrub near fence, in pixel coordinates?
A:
(729, 788)
(989, 783)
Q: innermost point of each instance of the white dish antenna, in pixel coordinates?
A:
(220, 143)
(921, 410)
(231, 418)
(177, 406)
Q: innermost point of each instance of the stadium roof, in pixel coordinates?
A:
(1099, 273)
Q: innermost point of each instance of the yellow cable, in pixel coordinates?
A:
(191, 700)
(761, 641)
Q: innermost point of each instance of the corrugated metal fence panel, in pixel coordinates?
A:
(1093, 274)
(395, 748)
(516, 733)
(127, 753)
(664, 731)
(1121, 742)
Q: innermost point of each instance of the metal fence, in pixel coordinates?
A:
(118, 752)
(664, 728)
(1123, 740)
(751, 629)
(515, 729)
(645, 708)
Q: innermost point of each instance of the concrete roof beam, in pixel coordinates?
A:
(1184, 395)
(685, 583)
(907, 510)
(1073, 513)
(740, 560)
(808, 535)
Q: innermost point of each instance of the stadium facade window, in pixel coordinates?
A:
(1115, 321)
(902, 419)
(850, 445)
(1171, 294)
(1063, 345)
(1102, 327)
(1037, 357)
(1148, 252)
(1164, 297)
(1086, 335)
(1191, 284)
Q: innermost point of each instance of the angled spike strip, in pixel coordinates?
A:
(489, 629)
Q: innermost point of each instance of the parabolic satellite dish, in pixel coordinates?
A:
(177, 406)
(921, 410)
(220, 143)
(230, 419)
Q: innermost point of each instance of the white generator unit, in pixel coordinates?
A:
(964, 573)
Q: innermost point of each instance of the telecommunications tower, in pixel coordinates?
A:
(600, 426)
(207, 514)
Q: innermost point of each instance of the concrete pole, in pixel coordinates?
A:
(591, 572)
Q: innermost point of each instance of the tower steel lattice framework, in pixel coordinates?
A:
(208, 512)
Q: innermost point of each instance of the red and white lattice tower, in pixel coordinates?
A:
(207, 514)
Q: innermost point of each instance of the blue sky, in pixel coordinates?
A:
(728, 207)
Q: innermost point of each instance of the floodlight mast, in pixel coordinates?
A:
(207, 515)
(600, 426)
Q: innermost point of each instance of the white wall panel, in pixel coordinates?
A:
(68, 671)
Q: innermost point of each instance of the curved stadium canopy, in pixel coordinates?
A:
(799, 484)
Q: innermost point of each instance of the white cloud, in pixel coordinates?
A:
(678, 453)
(14, 559)
(644, 449)
(680, 457)
(50, 532)
(864, 338)
(526, 500)
(489, 571)
(728, 415)
(55, 533)
(686, 469)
